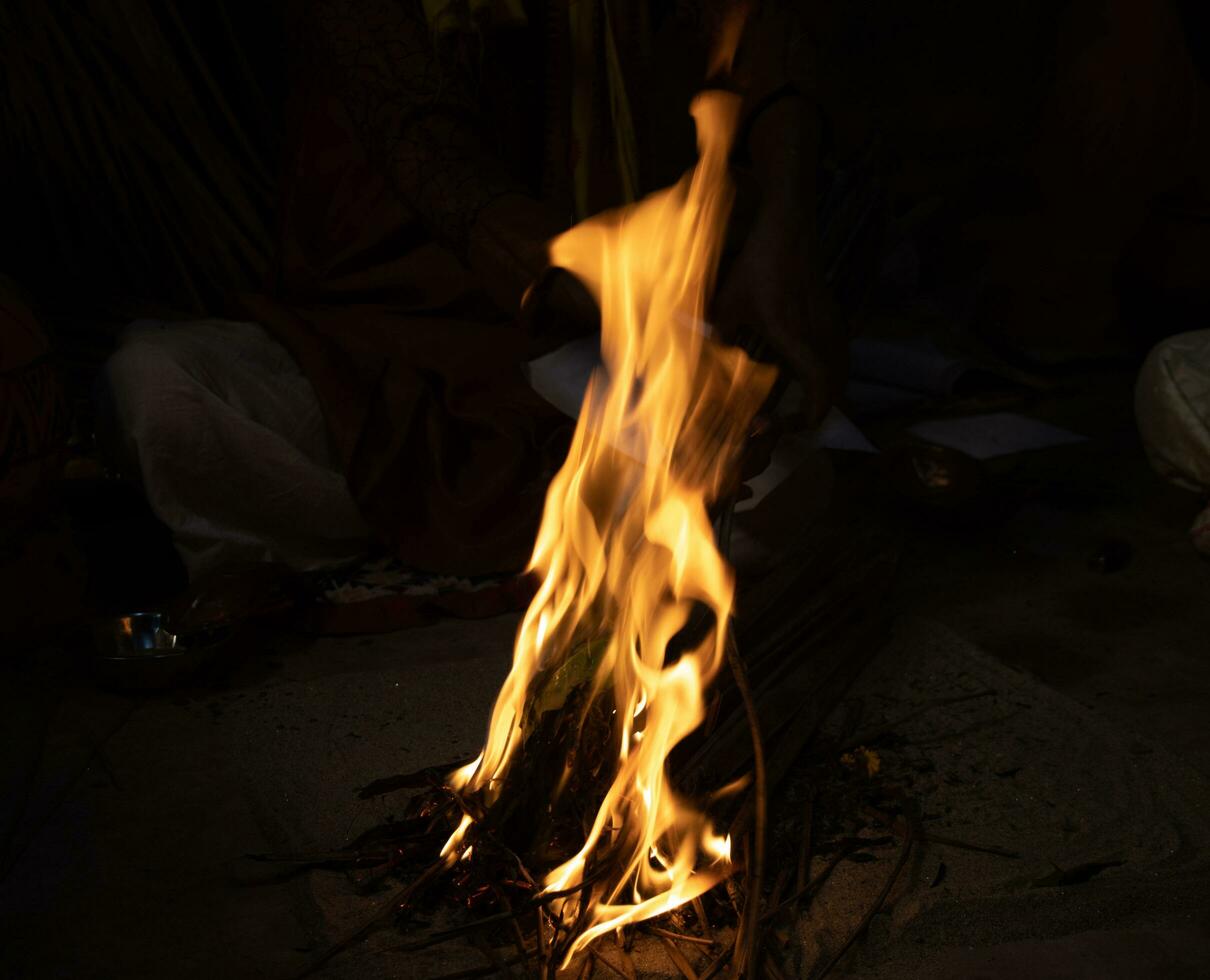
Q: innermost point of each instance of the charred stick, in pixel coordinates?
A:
(700, 911)
(679, 936)
(716, 964)
(397, 902)
(804, 848)
(480, 971)
(812, 886)
(518, 937)
(678, 959)
(324, 857)
(509, 916)
(438, 816)
(904, 854)
(445, 935)
(541, 925)
(491, 955)
(869, 737)
(779, 886)
(898, 825)
(627, 963)
(963, 846)
(772, 970)
(429, 777)
(605, 963)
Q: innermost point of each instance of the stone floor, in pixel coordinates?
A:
(125, 819)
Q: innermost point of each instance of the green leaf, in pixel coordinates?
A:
(577, 669)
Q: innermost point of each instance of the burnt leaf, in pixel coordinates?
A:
(420, 779)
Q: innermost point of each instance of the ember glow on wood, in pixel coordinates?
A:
(626, 550)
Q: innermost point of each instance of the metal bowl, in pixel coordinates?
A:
(934, 476)
(138, 651)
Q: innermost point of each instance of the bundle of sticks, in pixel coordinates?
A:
(806, 627)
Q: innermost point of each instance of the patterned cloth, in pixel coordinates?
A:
(385, 577)
(386, 594)
(34, 422)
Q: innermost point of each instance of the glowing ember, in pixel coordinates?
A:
(626, 548)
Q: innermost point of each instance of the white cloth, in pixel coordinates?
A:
(226, 435)
(1172, 406)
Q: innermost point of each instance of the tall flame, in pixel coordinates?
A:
(626, 547)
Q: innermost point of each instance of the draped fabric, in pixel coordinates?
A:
(34, 421)
(402, 162)
(136, 150)
(445, 446)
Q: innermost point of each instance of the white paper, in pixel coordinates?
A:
(994, 434)
(562, 376)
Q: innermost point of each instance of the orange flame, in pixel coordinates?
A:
(626, 548)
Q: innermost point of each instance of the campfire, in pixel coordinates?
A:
(627, 558)
(612, 780)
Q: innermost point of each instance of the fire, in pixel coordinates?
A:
(626, 550)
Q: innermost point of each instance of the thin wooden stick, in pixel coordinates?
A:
(491, 955)
(771, 968)
(898, 825)
(716, 964)
(678, 959)
(541, 927)
(700, 911)
(669, 934)
(445, 935)
(584, 883)
(605, 963)
(627, 963)
(904, 854)
(869, 736)
(480, 971)
(964, 846)
(811, 886)
(396, 902)
(518, 936)
(804, 848)
(745, 966)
